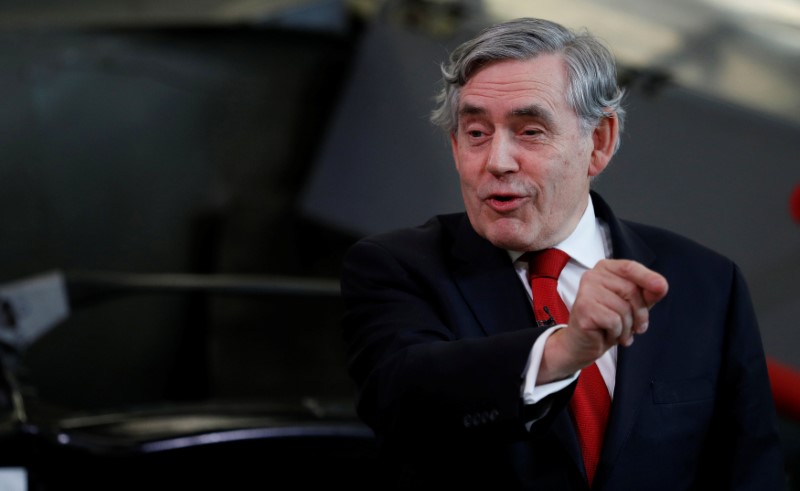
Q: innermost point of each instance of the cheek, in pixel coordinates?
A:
(469, 174)
(561, 185)
(470, 198)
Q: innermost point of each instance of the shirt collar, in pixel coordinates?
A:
(585, 245)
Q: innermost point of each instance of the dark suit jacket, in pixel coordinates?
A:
(438, 328)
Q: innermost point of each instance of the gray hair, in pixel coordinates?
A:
(591, 69)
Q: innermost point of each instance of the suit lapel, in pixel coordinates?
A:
(487, 280)
(564, 429)
(635, 364)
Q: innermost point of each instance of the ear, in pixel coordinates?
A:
(604, 139)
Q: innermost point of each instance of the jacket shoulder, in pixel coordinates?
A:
(676, 250)
(434, 235)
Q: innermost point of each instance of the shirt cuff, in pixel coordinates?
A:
(532, 393)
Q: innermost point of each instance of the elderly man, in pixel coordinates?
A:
(537, 341)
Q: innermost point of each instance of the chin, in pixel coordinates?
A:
(509, 238)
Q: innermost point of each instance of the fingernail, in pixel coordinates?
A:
(643, 328)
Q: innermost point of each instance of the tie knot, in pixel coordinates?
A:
(546, 263)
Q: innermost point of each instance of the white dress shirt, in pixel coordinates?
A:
(586, 246)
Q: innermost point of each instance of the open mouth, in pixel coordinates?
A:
(502, 198)
(504, 203)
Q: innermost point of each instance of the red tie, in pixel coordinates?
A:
(590, 404)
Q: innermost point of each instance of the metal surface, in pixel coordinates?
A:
(744, 52)
(177, 426)
(130, 283)
(149, 13)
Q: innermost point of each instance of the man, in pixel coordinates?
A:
(471, 379)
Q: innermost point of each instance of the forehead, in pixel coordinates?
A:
(510, 84)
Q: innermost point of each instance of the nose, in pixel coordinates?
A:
(501, 158)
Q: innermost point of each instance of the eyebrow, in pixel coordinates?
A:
(470, 110)
(534, 111)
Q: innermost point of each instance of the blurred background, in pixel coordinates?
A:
(148, 147)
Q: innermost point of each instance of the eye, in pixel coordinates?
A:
(531, 132)
(476, 133)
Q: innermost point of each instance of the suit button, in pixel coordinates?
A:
(467, 421)
(493, 414)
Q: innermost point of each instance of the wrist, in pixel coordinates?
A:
(557, 362)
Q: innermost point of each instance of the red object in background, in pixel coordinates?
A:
(794, 204)
(785, 382)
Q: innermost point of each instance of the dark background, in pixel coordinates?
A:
(171, 150)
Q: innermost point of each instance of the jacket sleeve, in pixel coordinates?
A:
(419, 359)
(743, 450)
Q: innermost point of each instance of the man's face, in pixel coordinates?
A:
(522, 157)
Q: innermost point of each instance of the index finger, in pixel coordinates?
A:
(653, 285)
